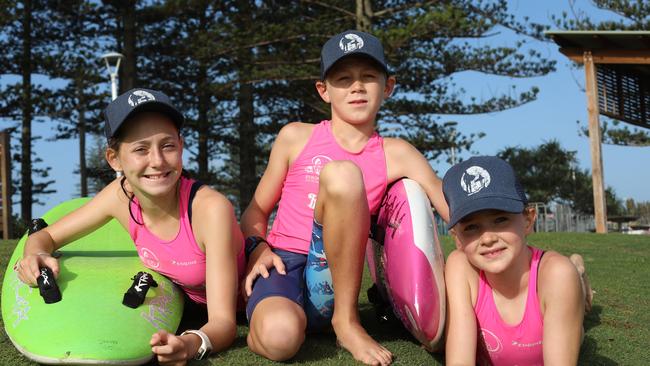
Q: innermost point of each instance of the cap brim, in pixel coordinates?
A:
(486, 203)
(359, 54)
(155, 106)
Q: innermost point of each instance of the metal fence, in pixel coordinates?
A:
(559, 217)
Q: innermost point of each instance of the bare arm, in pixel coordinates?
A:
(217, 229)
(462, 331)
(562, 303)
(217, 233)
(288, 144)
(254, 221)
(404, 160)
(98, 211)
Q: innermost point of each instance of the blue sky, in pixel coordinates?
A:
(561, 102)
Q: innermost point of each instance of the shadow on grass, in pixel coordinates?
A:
(589, 354)
(592, 319)
(589, 349)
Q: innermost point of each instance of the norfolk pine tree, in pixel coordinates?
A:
(77, 106)
(25, 41)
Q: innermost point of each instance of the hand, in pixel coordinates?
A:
(28, 268)
(170, 350)
(261, 266)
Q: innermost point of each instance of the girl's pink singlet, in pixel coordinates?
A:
(180, 259)
(292, 227)
(519, 344)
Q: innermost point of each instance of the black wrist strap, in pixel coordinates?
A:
(252, 242)
(136, 294)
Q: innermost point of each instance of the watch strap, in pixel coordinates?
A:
(206, 346)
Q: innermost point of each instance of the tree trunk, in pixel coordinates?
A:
(246, 128)
(26, 133)
(363, 15)
(81, 110)
(83, 173)
(203, 125)
(247, 146)
(128, 72)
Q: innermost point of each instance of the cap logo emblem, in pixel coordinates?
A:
(474, 179)
(350, 42)
(140, 96)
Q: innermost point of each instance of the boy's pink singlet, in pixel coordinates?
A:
(180, 259)
(292, 227)
(519, 344)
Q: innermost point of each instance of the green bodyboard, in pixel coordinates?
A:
(89, 325)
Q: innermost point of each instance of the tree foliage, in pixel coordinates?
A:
(640, 209)
(77, 106)
(26, 43)
(241, 69)
(550, 173)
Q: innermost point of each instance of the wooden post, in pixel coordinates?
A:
(5, 181)
(595, 140)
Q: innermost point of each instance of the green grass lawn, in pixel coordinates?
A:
(617, 329)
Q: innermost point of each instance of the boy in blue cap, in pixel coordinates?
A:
(327, 179)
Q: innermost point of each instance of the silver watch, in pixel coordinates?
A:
(206, 347)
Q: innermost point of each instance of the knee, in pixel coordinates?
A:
(277, 338)
(342, 178)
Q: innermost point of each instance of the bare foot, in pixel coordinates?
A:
(577, 261)
(363, 348)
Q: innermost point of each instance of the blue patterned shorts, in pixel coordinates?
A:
(308, 283)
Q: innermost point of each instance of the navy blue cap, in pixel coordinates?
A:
(351, 43)
(136, 101)
(482, 183)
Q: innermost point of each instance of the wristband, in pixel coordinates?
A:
(205, 348)
(251, 244)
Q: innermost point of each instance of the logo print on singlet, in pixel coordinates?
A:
(492, 342)
(149, 258)
(313, 171)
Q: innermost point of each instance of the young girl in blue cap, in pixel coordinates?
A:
(181, 229)
(509, 303)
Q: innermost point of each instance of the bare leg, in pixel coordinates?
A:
(342, 209)
(277, 328)
(577, 261)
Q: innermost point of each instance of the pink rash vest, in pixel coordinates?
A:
(292, 227)
(504, 344)
(180, 259)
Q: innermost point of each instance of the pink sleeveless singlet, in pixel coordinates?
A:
(180, 259)
(292, 227)
(503, 344)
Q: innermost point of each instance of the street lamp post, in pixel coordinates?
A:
(112, 60)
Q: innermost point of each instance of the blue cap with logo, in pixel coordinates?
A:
(482, 183)
(350, 43)
(135, 101)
